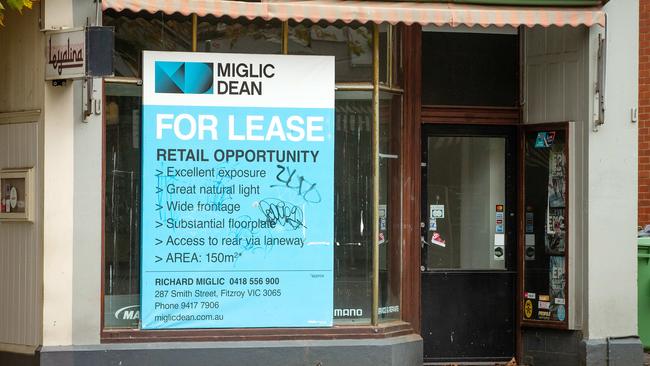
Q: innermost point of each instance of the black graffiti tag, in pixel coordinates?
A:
(282, 213)
(298, 183)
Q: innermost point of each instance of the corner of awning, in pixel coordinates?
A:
(439, 14)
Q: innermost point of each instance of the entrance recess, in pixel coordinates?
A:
(469, 266)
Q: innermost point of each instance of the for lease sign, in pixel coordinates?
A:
(237, 190)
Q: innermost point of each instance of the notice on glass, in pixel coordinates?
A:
(237, 191)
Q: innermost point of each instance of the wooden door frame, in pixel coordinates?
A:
(415, 116)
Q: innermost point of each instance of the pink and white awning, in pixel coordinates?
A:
(372, 11)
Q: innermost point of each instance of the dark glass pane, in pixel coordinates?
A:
(544, 229)
(466, 182)
(384, 35)
(135, 33)
(469, 69)
(353, 208)
(122, 207)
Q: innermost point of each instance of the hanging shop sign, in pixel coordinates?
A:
(79, 53)
(237, 190)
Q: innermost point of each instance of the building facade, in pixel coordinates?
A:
(484, 186)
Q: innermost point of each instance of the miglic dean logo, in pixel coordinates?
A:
(184, 77)
(197, 78)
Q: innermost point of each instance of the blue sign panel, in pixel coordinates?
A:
(237, 191)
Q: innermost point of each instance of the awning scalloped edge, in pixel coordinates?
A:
(371, 11)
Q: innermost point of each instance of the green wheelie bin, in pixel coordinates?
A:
(644, 290)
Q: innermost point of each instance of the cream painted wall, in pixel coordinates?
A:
(612, 182)
(86, 306)
(21, 99)
(58, 216)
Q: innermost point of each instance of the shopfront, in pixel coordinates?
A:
(444, 100)
(432, 209)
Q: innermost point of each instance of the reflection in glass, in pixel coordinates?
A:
(351, 46)
(465, 184)
(239, 36)
(122, 206)
(390, 48)
(390, 198)
(143, 31)
(545, 229)
(353, 208)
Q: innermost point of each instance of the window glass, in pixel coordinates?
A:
(390, 54)
(239, 36)
(465, 203)
(143, 31)
(545, 226)
(351, 46)
(353, 207)
(470, 69)
(390, 199)
(122, 206)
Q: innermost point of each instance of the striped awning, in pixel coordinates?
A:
(372, 11)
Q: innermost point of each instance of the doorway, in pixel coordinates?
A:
(468, 243)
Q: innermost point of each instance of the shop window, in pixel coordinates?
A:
(352, 205)
(122, 206)
(545, 237)
(354, 174)
(469, 69)
(353, 208)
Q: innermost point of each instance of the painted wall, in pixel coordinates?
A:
(612, 182)
(21, 101)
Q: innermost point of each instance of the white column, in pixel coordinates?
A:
(612, 183)
(58, 197)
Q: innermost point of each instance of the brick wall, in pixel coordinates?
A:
(644, 112)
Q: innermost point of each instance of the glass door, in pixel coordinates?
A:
(468, 242)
